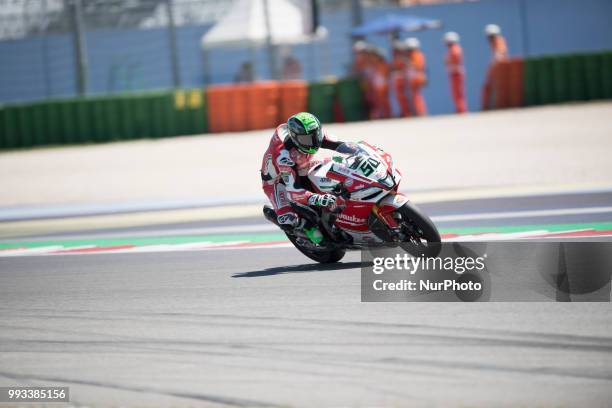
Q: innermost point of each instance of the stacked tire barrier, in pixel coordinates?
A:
(321, 99)
(351, 100)
(190, 112)
(103, 119)
(219, 108)
(325, 97)
(553, 79)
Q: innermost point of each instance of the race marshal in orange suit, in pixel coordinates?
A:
(378, 81)
(456, 70)
(399, 79)
(416, 75)
(499, 52)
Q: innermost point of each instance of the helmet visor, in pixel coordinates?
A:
(309, 140)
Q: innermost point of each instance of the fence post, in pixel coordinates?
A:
(176, 75)
(80, 50)
(271, 48)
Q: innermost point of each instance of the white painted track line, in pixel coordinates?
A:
(523, 214)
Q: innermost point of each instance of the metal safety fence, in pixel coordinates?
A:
(66, 48)
(57, 48)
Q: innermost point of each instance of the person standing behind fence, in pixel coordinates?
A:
(416, 75)
(499, 52)
(378, 82)
(456, 70)
(245, 73)
(292, 69)
(360, 69)
(497, 43)
(359, 57)
(399, 80)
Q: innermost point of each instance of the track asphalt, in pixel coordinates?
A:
(264, 326)
(568, 214)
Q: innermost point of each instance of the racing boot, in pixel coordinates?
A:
(270, 214)
(314, 235)
(290, 221)
(312, 231)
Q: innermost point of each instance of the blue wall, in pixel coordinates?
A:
(36, 68)
(42, 67)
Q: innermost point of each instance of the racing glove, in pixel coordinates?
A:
(323, 200)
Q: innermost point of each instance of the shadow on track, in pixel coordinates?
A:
(313, 267)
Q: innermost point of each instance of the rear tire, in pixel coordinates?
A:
(322, 256)
(427, 234)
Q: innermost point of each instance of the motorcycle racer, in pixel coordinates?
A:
(285, 166)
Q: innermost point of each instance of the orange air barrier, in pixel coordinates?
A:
(258, 105)
(263, 104)
(516, 82)
(500, 84)
(218, 104)
(238, 108)
(293, 98)
(508, 83)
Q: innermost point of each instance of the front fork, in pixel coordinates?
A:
(385, 210)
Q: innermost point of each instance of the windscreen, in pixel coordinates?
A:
(349, 148)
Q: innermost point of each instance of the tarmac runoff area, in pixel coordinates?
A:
(210, 306)
(535, 147)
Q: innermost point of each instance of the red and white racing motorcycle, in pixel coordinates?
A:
(370, 212)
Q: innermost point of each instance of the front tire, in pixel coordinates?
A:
(324, 256)
(423, 236)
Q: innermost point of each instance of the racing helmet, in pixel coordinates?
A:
(305, 132)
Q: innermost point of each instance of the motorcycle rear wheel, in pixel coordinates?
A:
(322, 255)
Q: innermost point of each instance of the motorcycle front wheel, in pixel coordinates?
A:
(320, 255)
(423, 237)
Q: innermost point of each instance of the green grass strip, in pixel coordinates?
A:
(278, 236)
(187, 239)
